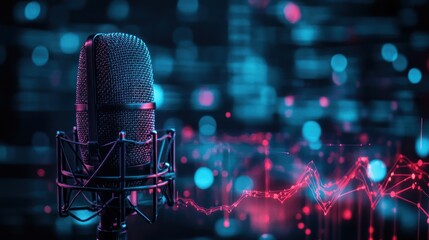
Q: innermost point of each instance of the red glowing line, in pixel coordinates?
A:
(327, 195)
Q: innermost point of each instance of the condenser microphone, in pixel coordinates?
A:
(114, 93)
(115, 144)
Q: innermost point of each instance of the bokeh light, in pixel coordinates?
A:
(339, 62)
(291, 12)
(401, 63)
(422, 146)
(376, 170)
(207, 126)
(118, 10)
(40, 56)
(188, 7)
(311, 131)
(203, 178)
(69, 43)
(414, 75)
(32, 10)
(228, 230)
(389, 52)
(242, 183)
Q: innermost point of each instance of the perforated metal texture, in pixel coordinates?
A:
(123, 75)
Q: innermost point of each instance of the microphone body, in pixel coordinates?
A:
(114, 74)
(113, 155)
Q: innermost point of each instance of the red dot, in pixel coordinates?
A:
(371, 229)
(420, 163)
(187, 133)
(47, 209)
(226, 223)
(268, 164)
(301, 225)
(183, 160)
(265, 142)
(324, 101)
(206, 97)
(227, 114)
(289, 100)
(392, 194)
(292, 12)
(306, 210)
(41, 172)
(298, 216)
(394, 237)
(347, 214)
(308, 231)
(186, 193)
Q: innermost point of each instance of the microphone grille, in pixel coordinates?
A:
(123, 75)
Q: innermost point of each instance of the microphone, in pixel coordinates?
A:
(114, 149)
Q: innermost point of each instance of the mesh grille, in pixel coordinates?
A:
(123, 75)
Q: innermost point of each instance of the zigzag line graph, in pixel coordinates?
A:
(404, 176)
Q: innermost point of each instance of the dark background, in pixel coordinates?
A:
(270, 64)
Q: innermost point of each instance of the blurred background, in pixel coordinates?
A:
(275, 84)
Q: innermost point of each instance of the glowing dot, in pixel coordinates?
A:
(186, 193)
(292, 12)
(324, 101)
(301, 225)
(226, 232)
(420, 163)
(243, 183)
(413, 176)
(268, 164)
(401, 63)
(158, 95)
(289, 100)
(41, 172)
(414, 75)
(339, 62)
(69, 43)
(307, 231)
(40, 56)
(422, 146)
(32, 10)
(205, 97)
(427, 221)
(376, 170)
(392, 194)
(227, 114)
(347, 214)
(371, 229)
(298, 216)
(47, 209)
(389, 52)
(203, 178)
(118, 10)
(306, 210)
(207, 125)
(311, 131)
(183, 160)
(187, 133)
(265, 142)
(226, 223)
